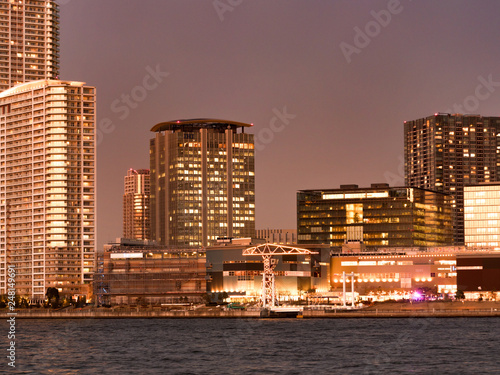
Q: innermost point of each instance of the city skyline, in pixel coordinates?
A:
(227, 117)
(332, 95)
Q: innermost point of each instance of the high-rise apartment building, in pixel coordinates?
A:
(482, 216)
(47, 187)
(136, 205)
(444, 152)
(202, 182)
(29, 41)
(378, 216)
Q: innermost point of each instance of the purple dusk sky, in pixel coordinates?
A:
(345, 95)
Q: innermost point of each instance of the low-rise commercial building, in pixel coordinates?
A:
(478, 274)
(137, 274)
(396, 275)
(229, 271)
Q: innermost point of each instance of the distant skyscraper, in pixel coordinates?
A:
(202, 182)
(47, 187)
(136, 205)
(29, 41)
(445, 152)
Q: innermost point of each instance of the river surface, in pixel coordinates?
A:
(255, 346)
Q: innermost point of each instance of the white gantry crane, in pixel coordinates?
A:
(266, 251)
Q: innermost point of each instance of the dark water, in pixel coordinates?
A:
(271, 346)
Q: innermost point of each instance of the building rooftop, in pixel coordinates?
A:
(198, 123)
(33, 85)
(479, 184)
(373, 187)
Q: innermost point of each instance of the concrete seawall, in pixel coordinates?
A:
(135, 313)
(235, 314)
(401, 313)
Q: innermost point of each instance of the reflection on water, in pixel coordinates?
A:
(270, 346)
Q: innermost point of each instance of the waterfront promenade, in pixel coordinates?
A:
(379, 310)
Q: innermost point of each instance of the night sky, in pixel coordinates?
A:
(327, 84)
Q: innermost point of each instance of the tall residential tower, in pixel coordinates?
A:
(136, 205)
(444, 152)
(29, 41)
(202, 182)
(47, 187)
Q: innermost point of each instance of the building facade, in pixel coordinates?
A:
(479, 273)
(379, 216)
(278, 236)
(397, 275)
(135, 274)
(29, 41)
(47, 187)
(202, 182)
(482, 216)
(136, 220)
(240, 276)
(445, 152)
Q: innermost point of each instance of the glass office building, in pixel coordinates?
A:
(379, 216)
(482, 216)
(202, 182)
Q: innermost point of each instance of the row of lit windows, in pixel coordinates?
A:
(384, 194)
(481, 230)
(482, 201)
(482, 191)
(481, 209)
(475, 239)
(483, 216)
(481, 223)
